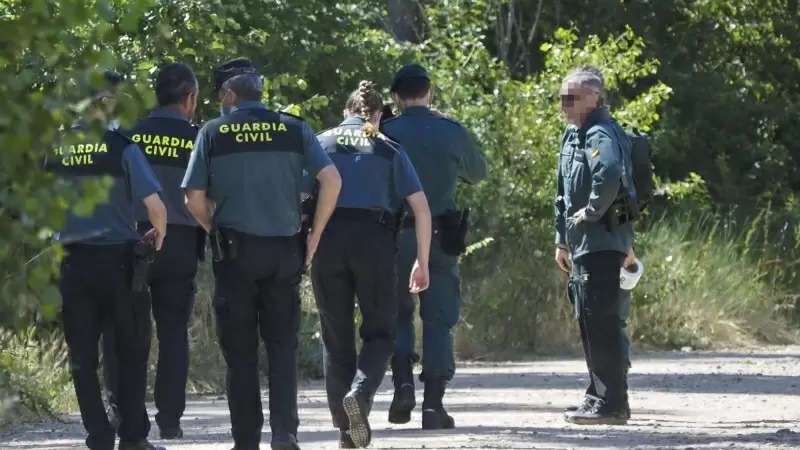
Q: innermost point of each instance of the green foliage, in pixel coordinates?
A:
(714, 82)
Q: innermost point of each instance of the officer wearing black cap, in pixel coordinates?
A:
(167, 137)
(248, 166)
(97, 274)
(356, 257)
(441, 151)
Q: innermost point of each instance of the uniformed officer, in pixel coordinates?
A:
(167, 138)
(250, 163)
(592, 235)
(441, 151)
(356, 257)
(97, 272)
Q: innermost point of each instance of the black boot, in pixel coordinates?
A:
(141, 445)
(599, 413)
(588, 401)
(404, 399)
(434, 416)
(357, 412)
(345, 441)
(283, 440)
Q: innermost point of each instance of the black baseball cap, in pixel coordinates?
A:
(110, 82)
(407, 72)
(230, 69)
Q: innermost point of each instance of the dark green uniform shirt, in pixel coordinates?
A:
(441, 151)
(590, 171)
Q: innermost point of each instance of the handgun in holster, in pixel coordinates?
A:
(144, 256)
(454, 227)
(223, 245)
(308, 208)
(622, 211)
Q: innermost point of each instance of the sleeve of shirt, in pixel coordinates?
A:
(606, 169)
(308, 183)
(406, 181)
(561, 224)
(314, 156)
(196, 176)
(473, 164)
(141, 179)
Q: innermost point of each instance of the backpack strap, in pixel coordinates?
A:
(624, 177)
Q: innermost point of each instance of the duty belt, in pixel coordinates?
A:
(384, 218)
(411, 222)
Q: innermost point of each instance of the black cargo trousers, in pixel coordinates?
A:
(355, 258)
(257, 292)
(172, 288)
(594, 290)
(96, 290)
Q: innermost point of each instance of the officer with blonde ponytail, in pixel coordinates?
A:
(356, 258)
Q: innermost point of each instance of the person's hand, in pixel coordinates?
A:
(154, 238)
(438, 113)
(630, 259)
(579, 216)
(562, 259)
(311, 245)
(420, 279)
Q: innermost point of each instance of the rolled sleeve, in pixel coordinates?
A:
(196, 176)
(314, 157)
(141, 179)
(406, 181)
(606, 170)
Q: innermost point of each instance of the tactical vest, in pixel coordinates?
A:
(165, 141)
(255, 130)
(351, 139)
(90, 157)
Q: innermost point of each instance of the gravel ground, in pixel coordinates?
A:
(682, 400)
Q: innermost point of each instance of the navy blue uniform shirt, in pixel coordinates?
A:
(112, 222)
(167, 161)
(376, 173)
(441, 150)
(255, 176)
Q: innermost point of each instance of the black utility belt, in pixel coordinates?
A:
(384, 218)
(451, 227)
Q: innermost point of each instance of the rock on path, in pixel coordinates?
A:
(697, 400)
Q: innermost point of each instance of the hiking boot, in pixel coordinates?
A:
(283, 440)
(140, 445)
(599, 413)
(434, 416)
(587, 404)
(404, 399)
(345, 441)
(171, 433)
(359, 431)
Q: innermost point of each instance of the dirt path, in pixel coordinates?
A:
(736, 399)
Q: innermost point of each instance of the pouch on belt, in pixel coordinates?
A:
(453, 228)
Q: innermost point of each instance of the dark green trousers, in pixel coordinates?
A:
(440, 309)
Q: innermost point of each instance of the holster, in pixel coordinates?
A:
(224, 245)
(453, 229)
(144, 255)
(622, 211)
(201, 244)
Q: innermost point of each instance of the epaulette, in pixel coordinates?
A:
(389, 120)
(389, 138)
(453, 121)
(119, 132)
(291, 115)
(326, 130)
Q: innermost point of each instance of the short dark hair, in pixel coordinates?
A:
(411, 88)
(173, 83)
(248, 86)
(109, 83)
